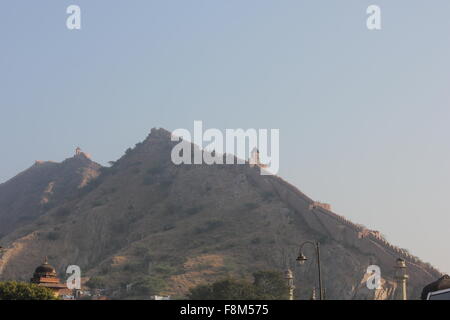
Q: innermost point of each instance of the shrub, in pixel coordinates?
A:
(164, 269)
(106, 171)
(267, 195)
(155, 170)
(134, 267)
(168, 227)
(90, 186)
(148, 180)
(170, 259)
(267, 285)
(165, 184)
(209, 226)
(150, 285)
(229, 289)
(250, 206)
(256, 240)
(193, 210)
(172, 208)
(48, 206)
(97, 203)
(53, 236)
(62, 212)
(13, 290)
(96, 283)
(119, 226)
(105, 269)
(270, 285)
(135, 170)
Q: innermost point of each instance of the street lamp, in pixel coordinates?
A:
(302, 258)
(401, 276)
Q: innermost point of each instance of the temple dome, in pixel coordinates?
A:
(45, 276)
(45, 270)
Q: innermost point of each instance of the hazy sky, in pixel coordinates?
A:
(363, 115)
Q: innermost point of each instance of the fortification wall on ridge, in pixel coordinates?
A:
(326, 222)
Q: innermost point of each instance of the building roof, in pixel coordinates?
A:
(441, 284)
(53, 285)
(45, 270)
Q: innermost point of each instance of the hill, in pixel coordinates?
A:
(146, 226)
(43, 186)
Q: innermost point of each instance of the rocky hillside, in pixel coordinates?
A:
(41, 187)
(147, 223)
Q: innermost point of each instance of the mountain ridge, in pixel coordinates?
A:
(145, 218)
(44, 184)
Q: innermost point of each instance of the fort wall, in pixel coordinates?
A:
(320, 218)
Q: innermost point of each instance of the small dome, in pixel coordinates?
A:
(44, 270)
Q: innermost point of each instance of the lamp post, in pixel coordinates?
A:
(401, 276)
(302, 258)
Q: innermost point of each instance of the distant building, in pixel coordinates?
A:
(80, 153)
(160, 298)
(45, 276)
(322, 205)
(255, 159)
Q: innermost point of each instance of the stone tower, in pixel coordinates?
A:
(254, 159)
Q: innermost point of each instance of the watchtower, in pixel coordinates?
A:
(254, 159)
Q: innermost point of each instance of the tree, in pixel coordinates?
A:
(271, 285)
(201, 292)
(149, 285)
(267, 285)
(229, 289)
(13, 290)
(96, 283)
